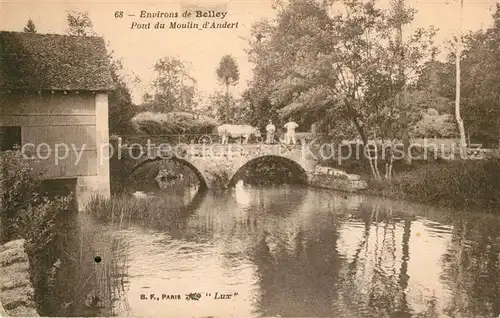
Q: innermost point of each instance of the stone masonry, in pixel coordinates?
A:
(227, 160)
(207, 162)
(16, 291)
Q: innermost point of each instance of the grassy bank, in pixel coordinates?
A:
(467, 184)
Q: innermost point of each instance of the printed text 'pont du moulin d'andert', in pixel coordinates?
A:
(188, 19)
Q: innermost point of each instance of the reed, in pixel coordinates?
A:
(124, 210)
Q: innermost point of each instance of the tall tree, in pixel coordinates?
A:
(229, 75)
(30, 27)
(401, 17)
(121, 107)
(79, 23)
(174, 89)
(338, 67)
(458, 116)
(479, 90)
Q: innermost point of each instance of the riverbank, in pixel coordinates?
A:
(467, 184)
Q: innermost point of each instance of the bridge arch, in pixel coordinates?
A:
(295, 166)
(202, 179)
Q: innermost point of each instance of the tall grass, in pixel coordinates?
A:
(124, 210)
(457, 184)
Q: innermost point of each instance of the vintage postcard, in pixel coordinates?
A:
(250, 158)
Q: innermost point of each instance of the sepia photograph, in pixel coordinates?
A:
(250, 158)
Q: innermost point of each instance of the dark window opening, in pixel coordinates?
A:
(10, 137)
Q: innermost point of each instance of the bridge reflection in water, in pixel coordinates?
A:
(293, 251)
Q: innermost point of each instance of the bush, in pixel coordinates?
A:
(220, 174)
(21, 199)
(173, 123)
(434, 124)
(457, 184)
(19, 185)
(26, 213)
(40, 223)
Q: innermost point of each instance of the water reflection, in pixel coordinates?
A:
(293, 251)
(471, 265)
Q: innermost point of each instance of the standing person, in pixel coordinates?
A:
(270, 129)
(290, 132)
(225, 137)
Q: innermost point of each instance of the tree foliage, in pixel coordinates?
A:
(342, 64)
(30, 27)
(438, 78)
(79, 24)
(227, 72)
(225, 107)
(433, 124)
(432, 113)
(121, 107)
(336, 68)
(480, 82)
(229, 75)
(174, 88)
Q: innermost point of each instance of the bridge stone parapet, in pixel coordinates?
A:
(213, 163)
(217, 164)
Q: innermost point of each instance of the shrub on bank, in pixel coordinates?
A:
(25, 210)
(456, 184)
(27, 213)
(352, 159)
(220, 175)
(18, 187)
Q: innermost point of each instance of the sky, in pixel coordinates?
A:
(202, 49)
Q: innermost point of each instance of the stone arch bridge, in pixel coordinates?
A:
(210, 162)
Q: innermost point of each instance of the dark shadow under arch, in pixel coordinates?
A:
(201, 178)
(297, 170)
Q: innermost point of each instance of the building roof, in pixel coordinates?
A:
(33, 61)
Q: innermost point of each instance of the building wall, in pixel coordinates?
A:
(50, 120)
(98, 184)
(75, 123)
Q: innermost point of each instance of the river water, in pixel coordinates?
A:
(290, 251)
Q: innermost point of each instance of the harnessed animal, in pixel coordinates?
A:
(243, 132)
